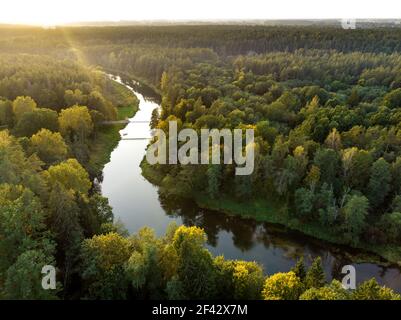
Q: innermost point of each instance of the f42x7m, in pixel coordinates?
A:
(230, 309)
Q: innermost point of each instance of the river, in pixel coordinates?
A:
(136, 203)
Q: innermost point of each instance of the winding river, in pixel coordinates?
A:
(137, 203)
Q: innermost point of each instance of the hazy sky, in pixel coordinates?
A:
(61, 11)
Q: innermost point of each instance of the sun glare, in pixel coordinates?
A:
(50, 12)
(41, 12)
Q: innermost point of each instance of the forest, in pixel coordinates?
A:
(324, 104)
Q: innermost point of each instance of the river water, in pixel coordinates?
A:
(137, 203)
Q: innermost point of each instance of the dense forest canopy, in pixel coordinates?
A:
(224, 39)
(324, 103)
(325, 111)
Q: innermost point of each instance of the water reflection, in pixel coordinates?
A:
(276, 247)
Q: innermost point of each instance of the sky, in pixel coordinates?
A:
(51, 12)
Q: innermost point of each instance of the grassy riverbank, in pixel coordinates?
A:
(108, 136)
(276, 212)
(269, 211)
(144, 83)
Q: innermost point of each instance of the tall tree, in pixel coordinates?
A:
(6, 113)
(355, 213)
(379, 182)
(22, 105)
(333, 140)
(24, 277)
(315, 277)
(49, 146)
(71, 175)
(103, 260)
(214, 177)
(282, 286)
(32, 121)
(76, 123)
(196, 270)
(299, 269)
(238, 279)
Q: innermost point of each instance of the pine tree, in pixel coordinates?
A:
(299, 269)
(379, 182)
(214, 180)
(315, 277)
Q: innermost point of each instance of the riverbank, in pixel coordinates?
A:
(108, 136)
(268, 211)
(136, 202)
(144, 84)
